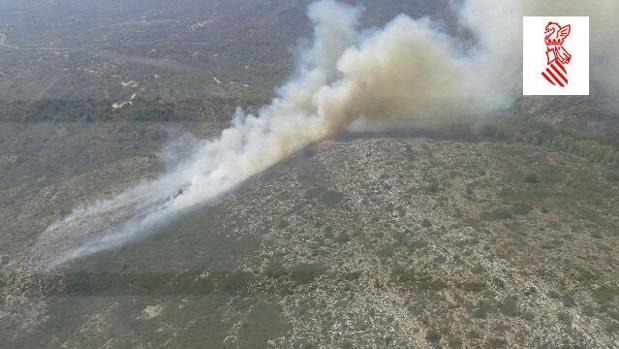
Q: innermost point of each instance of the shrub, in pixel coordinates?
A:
(482, 310)
(236, 281)
(331, 198)
(343, 238)
(521, 209)
(498, 214)
(352, 276)
(496, 343)
(385, 253)
(605, 294)
(612, 177)
(531, 178)
(306, 273)
(433, 336)
(418, 244)
(426, 223)
(536, 133)
(433, 186)
(437, 285)
(509, 307)
(275, 270)
(402, 275)
(474, 286)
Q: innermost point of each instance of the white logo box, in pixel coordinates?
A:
(571, 79)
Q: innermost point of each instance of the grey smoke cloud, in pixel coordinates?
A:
(407, 72)
(498, 28)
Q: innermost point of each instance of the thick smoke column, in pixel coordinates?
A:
(251, 145)
(409, 71)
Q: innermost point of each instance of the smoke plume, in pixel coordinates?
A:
(409, 72)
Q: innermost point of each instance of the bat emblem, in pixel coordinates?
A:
(557, 56)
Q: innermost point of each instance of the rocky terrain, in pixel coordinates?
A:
(501, 236)
(358, 242)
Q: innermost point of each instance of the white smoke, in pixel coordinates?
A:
(409, 71)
